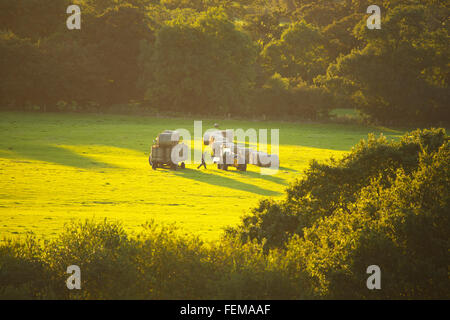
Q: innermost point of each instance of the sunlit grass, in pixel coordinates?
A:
(59, 167)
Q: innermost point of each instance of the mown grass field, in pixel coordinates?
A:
(59, 167)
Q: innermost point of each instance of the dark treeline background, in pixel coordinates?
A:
(291, 58)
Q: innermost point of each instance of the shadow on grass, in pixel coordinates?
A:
(222, 181)
(287, 169)
(256, 175)
(56, 155)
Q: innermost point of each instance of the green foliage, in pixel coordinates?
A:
(401, 75)
(264, 28)
(22, 273)
(97, 64)
(402, 228)
(278, 98)
(216, 56)
(33, 19)
(340, 37)
(200, 63)
(116, 35)
(299, 53)
(20, 65)
(335, 186)
(385, 204)
(157, 263)
(327, 12)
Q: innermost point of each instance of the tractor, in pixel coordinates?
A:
(228, 154)
(224, 152)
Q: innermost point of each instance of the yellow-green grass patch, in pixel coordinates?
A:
(58, 167)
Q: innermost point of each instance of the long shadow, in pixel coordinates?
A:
(58, 155)
(256, 175)
(222, 181)
(287, 169)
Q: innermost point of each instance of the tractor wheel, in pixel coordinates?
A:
(242, 167)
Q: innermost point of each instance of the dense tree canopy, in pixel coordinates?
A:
(401, 73)
(299, 53)
(192, 55)
(198, 65)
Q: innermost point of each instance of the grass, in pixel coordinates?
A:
(58, 167)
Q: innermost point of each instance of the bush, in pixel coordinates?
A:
(403, 229)
(386, 203)
(157, 263)
(277, 98)
(22, 272)
(336, 185)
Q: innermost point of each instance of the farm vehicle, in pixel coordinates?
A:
(167, 151)
(225, 153)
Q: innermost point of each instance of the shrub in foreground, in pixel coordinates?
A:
(385, 203)
(157, 263)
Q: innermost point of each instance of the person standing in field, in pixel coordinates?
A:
(203, 161)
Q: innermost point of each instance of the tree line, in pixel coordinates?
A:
(294, 58)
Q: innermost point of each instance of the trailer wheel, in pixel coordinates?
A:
(225, 167)
(154, 166)
(242, 167)
(183, 165)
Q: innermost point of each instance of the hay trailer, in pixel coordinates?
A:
(164, 154)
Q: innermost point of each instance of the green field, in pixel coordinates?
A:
(58, 167)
